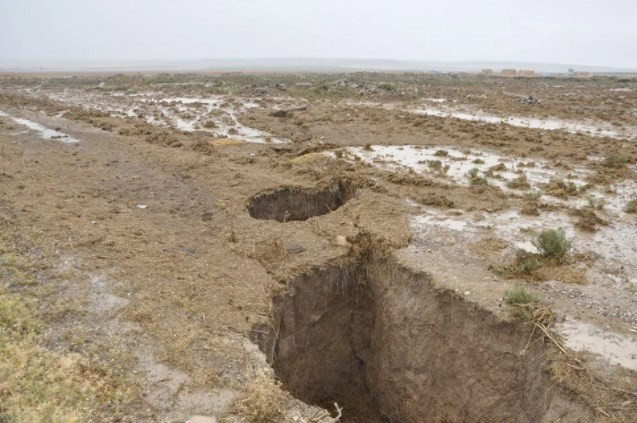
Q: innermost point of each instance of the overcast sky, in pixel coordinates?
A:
(593, 32)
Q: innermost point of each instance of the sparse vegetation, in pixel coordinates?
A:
(37, 384)
(441, 153)
(525, 265)
(523, 300)
(520, 182)
(631, 207)
(588, 219)
(385, 86)
(615, 161)
(553, 244)
(519, 296)
(475, 179)
(559, 188)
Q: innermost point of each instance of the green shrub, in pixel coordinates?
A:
(519, 296)
(553, 244)
(523, 300)
(526, 264)
(441, 153)
(631, 207)
(475, 179)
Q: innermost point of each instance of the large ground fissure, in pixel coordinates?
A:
(298, 203)
(388, 346)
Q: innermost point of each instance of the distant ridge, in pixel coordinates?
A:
(297, 64)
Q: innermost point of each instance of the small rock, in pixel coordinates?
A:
(341, 240)
(295, 248)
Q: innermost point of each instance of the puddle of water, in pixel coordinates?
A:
(46, 133)
(454, 165)
(551, 124)
(186, 114)
(596, 129)
(615, 348)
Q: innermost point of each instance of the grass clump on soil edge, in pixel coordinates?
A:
(262, 401)
(37, 384)
(523, 300)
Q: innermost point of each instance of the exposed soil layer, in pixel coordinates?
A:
(297, 203)
(387, 346)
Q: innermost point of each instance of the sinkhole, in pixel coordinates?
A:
(388, 346)
(297, 203)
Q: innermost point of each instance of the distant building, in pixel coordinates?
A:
(486, 72)
(579, 74)
(527, 73)
(509, 72)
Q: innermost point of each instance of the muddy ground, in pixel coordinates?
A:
(282, 247)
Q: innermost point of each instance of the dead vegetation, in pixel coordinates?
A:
(262, 401)
(38, 384)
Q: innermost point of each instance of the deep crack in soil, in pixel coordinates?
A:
(296, 203)
(387, 346)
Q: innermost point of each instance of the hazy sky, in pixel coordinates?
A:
(595, 32)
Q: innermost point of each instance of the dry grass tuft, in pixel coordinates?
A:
(222, 142)
(262, 402)
(308, 158)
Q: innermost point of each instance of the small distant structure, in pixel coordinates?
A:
(579, 74)
(509, 72)
(486, 72)
(528, 73)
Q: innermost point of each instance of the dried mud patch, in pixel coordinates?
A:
(297, 203)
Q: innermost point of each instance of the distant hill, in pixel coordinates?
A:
(296, 64)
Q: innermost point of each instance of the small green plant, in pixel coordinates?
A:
(519, 296)
(553, 244)
(631, 207)
(434, 164)
(387, 87)
(441, 153)
(596, 204)
(475, 179)
(520, 182)
(523, 300)
(526, 264)
(615, 161)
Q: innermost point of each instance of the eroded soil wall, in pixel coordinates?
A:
(387, 345)
(296, 203)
